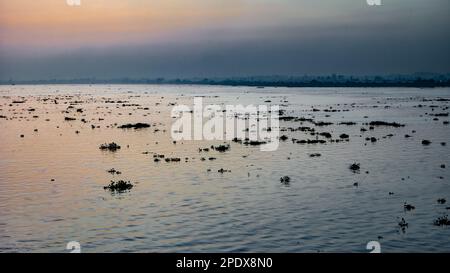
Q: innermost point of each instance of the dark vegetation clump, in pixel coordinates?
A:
(285, 180)
(403, 224)
(384, 123)
(355, 167)
(222, 170)
(408, 207)
(114, 171)
(254, 142)
(347, 123)
(310, 141)
(426, 142)
(440, 115)
(442, 221)
(221, 148)
(134, 126)
(110, 147)
(237, 140)
(325, 134)
(119, 186)
(173, 159)
(323, 123)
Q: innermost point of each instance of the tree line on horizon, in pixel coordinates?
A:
(413, 80)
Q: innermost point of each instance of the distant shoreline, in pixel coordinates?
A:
(241, 85)
(413, 81)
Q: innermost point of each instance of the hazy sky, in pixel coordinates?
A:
(48, 39)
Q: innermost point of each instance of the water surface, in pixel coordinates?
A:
(52, 179)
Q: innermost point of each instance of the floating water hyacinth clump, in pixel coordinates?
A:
(110, 146)
(119, 186)
(426, 142)
(408, 207)
(384, 123)
(403, 224)
(355, 167)
(285, 180)
(221, 148)
(114, 171)
(442, 221)
(134, 126)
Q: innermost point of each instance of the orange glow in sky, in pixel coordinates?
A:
(54, 21)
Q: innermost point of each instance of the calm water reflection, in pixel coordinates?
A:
(51, 180)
